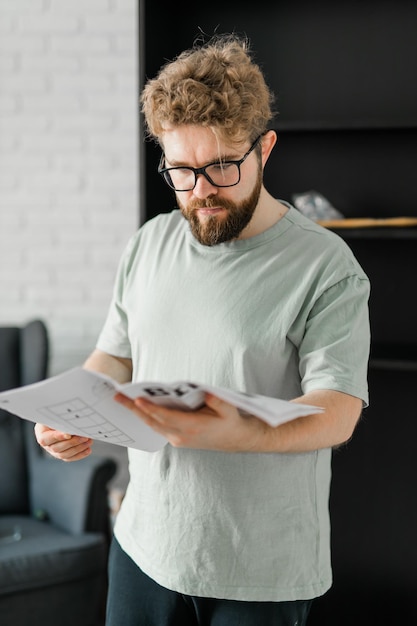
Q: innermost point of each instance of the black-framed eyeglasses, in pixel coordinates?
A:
(218, 173)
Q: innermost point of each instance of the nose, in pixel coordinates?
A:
(203, 187)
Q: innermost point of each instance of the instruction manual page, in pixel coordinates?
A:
(81, 402)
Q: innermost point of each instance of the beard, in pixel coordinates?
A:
(214, 230)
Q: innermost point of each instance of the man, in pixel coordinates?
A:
(227, 524)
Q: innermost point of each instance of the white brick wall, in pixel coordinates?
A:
(68, 163)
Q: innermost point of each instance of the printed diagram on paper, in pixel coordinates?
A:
(81, 402)
(76, 415)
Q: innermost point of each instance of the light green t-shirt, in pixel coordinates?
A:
(279, 314)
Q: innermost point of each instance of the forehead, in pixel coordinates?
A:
(195, 145)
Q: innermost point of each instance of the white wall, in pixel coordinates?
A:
(68, 163)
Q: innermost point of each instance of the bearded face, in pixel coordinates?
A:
(215, 229)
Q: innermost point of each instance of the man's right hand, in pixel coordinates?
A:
(73, 447)
(62, 445)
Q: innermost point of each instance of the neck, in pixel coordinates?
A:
(268, 212)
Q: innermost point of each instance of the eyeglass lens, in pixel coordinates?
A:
(219, 174)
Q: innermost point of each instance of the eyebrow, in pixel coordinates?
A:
(222, 159)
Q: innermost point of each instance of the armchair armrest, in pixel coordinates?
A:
(71, 495)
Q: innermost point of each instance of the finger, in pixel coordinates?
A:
(125, 401)
(72, 450)
(69, 458)
(54, 437)
(46, 436)
(72, 442)
(40, 429)
(143, 409)
(151, 409)
(216, 404)
(140, 406)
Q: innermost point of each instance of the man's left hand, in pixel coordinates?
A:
(218, 425)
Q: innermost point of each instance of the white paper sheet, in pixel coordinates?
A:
(81, 402)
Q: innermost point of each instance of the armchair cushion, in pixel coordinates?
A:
(49, 577)
(42, 555)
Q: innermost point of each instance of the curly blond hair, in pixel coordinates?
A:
(216, 85)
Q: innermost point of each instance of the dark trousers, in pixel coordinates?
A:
(134, 599)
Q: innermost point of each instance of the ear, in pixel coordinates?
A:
(268, 142)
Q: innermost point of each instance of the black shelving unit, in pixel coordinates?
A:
(364, 172)
(344, 74)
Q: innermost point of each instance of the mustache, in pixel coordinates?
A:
(208, 203)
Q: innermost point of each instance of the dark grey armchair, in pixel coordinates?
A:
(54, 518)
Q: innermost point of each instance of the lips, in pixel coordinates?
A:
(210, 210)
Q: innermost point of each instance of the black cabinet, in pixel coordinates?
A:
(373, 499)
(374, 512)
(363, 171)
(344, 74)
(389, 257)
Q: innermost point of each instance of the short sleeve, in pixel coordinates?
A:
(334, 352)
(114, 336)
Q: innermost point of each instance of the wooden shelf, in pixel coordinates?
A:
(381, 363)
(376, 233)
(399, 358)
